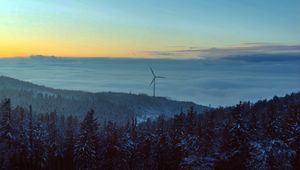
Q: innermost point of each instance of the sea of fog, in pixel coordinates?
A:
(207, 82)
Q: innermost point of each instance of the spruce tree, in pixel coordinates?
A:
(6, 129)
(70, 139)
(235, 143)
(272, 127)
(54, 145)
(40, 147)
(86, 147)
(22, 141)
(292, 133)
(7, 135)
(112, 154)
(208, 134)
(191, 119)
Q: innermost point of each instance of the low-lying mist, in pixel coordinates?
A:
(209, 82)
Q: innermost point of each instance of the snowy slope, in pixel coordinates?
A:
(118, 107)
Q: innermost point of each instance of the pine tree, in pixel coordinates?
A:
(54, 148)
(191, 119)
(70, 140)
(178, 127)
(292, 135)
(144, 151)
(62, 130)
(253, 125)
(86, 147)
(7, 135)
(30, 137)
(40, 155)
(161, 124)
(161, 152)
(235, 143)
(177, 136)
(6, 130)
(208, 134)
(111, 153)
(22, 141)
(128, 143)
(272, 126)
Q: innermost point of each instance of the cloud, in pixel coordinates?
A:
(265, 57)
(237, 50)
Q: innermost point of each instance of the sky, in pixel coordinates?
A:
(148, 28)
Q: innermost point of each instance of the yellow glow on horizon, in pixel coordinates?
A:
(26, 35)
(26, 46)
(137, 28)
(17, 42)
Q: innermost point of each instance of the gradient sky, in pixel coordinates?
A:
(140, 28)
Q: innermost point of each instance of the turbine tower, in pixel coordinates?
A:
(154, 80)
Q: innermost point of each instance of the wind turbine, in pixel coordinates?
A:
(153, 80)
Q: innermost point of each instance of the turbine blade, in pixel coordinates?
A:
(152, 72)
(152, 82)
(161, 77)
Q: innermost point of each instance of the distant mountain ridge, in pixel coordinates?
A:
(118, 107)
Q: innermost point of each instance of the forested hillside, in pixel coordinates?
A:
(117, 107)
(264, 135)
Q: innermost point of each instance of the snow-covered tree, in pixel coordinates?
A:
(86, 147)
(70, 140)
(22, 142)
(292, 133)
(7, 135)
(235, 146)
(55, 152)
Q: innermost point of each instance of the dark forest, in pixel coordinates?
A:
(261, 135)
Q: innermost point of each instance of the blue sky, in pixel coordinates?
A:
(131, 28)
